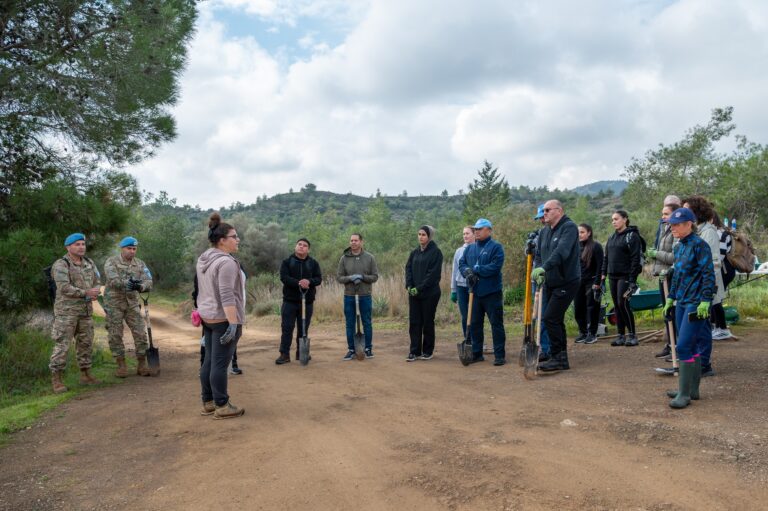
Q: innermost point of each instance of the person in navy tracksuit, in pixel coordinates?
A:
(481, 265)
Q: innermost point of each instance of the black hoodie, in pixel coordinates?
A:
(423, 270)
(292, 271)
(622, 254)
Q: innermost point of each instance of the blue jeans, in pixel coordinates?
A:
(350, 315)
(544, 336)
(693, 337)
(462, 295)
(493, 306)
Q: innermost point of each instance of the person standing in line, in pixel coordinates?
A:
(126, 276)
(459, 290)
(422, 280)
(561, 271)
(358, 271)
(481, 265)
(663, 258)
(720, 331)
(300, 275)
(544, 337)
(77, 285)
(691, 291)
(621, 265)
(586, 309)
(221, 306)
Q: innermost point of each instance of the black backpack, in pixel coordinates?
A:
(50, 280)
(643, 246)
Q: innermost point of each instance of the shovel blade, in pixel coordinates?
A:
(666, 371)
(465, 352)
(153, 360)
(359, 346)
(530, 356)
(304, 351)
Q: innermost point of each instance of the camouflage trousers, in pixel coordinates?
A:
(65, 328)
(116, 315)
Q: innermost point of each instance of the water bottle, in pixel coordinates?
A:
(733, 224)
(726, 222)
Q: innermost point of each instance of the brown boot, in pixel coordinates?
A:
(284, 358)
(141, 368)
(86, 378)
(122, 370)
(58, 386)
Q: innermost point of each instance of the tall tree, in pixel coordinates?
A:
(488, 194)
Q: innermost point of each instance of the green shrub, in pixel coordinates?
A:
(24, 356)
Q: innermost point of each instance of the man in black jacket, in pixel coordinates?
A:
(300, 274)
(561, 271)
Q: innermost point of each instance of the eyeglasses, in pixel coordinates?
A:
(547, 210)
(235, 236)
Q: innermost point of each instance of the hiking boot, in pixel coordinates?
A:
(499, 361)
(369, 353)
(142, 369)
(581, 338)
(208, 408)
(284, 358)
(56, 383)
(707, 371)
(631, 340)
(350, 355)
(477, 357)
(86, 378)
(227, 411)
(426, 356)
(410, 358)
(665, 352)
(683, 396)
(591, 339)
(558, 362)
(543, 357)
(233, 369)
(619, 341)
(122, 370)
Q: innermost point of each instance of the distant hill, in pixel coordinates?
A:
(616, 187)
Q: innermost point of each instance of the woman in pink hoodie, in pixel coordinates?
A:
(221, 305)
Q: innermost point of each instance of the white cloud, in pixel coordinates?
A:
(418, 94)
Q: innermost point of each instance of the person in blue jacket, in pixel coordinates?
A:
(692, 287)
(481, 265)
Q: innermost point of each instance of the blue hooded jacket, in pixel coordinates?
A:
(486, 259)
(693, 280)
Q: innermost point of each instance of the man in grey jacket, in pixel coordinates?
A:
(561, 271)
(357, 271)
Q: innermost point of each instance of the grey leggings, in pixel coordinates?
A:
(213, 372)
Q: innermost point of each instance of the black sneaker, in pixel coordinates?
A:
(350, 355)
(499, 362)
(235, 370)
(631, 340)
(411, 358)
(543, 357)
(664, 352)
(369, 353)
(707, 371)
(581, 338)
(591, 339)
(426, 356)
(619, 341)
(477, 358)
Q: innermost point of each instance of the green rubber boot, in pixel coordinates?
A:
(694, 383)
(683, 397)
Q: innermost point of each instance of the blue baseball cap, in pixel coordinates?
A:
(539, 212)
(483, 222)
(681, 215)
(73, 238)
(129, 241)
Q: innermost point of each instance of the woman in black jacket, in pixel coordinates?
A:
(585, 308)
(621, 265)
(422, 280)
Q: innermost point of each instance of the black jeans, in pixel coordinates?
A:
(213, 372)
(421, 315)
(493, 306)
(625, 319)
(290, 313)
(558, 301)
(585, 309)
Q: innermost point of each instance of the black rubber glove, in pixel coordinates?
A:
(229, 334)
(631, 289)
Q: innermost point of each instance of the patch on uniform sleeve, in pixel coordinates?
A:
(147, 273)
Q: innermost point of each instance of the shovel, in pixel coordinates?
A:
(153, 354)
(359, 339)
(531, 358)
(304, 340)
(529, 346)
(670, 324)
(465, 346)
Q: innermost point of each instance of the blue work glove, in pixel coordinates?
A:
(538, 275)
(454, 297)
(702, 311)
(667, 305)
(413, 291)
(229, 334)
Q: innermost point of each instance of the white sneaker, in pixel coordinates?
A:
(719, 334)
(725, 334)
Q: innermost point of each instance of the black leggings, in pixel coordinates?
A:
(585, 309)
(717, 313)
(625, 320)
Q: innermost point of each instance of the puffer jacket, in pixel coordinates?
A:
(665, 257)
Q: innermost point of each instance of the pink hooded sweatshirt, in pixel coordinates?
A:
(220, 284)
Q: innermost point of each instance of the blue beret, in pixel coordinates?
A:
(129, 241)
(539, 212)
(73, 238)
(482, 222)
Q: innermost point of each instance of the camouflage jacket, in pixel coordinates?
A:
(117, 271)
(72, 281)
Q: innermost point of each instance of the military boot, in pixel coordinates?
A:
(141, 367)
(558, 362)
(58, 386)
(122, 370)
(86, 378)
(683, 397)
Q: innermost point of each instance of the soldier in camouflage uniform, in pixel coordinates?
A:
(126, 276)
(77, 285)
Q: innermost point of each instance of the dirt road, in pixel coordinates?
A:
(385, 434)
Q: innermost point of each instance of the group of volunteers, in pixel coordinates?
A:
(569, 267)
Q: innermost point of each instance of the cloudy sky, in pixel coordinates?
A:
(360, 95)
